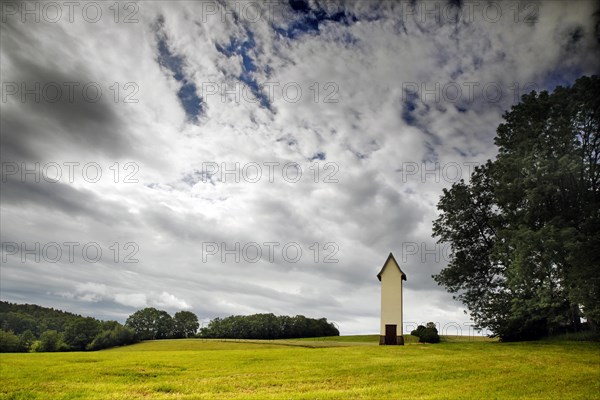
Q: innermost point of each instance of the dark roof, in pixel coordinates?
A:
(395, 262)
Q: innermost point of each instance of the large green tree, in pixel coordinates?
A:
(150, 323)
(185, 324)
(524, 231)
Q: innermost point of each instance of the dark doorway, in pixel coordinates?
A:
(390, 334)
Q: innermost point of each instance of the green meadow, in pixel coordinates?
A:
(347, 367)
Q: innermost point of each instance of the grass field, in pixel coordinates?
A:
(350, 367)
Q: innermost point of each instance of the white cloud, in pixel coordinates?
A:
(136, 300)
(88, 292)
(170, 301)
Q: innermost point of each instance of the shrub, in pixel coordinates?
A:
(417, 332)
(427, 334)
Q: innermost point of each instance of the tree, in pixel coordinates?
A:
(164, 325)
(524, 231)
(143, 323)
(52, 341)
(122, 335)
(22, 317)
(64, 331)
(17, 322)
(150, 323)
(80, 332)
(185, 324)
(118, 335)
(109, 325)
(9, 342)
(26, 339)
(470, 222)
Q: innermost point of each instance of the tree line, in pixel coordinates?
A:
(525, 230)
(28, 327)
(268, 326)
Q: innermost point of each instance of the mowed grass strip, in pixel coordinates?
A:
(344, 367)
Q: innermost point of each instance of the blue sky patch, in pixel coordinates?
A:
(188, 93)
(408, 108)
(309, 20)
(319, 156)
(244, 49)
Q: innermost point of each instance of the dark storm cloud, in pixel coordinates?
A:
(16, 144)
(59, 103)
(57, 197)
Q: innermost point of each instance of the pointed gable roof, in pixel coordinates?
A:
(391, 256)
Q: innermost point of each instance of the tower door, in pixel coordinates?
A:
(390, 334)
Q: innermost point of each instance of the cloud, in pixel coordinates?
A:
(97, 292)
(136, 300)
(169, 301)
(377, 104)
(87, 292)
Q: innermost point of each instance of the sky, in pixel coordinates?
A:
(250, 157)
